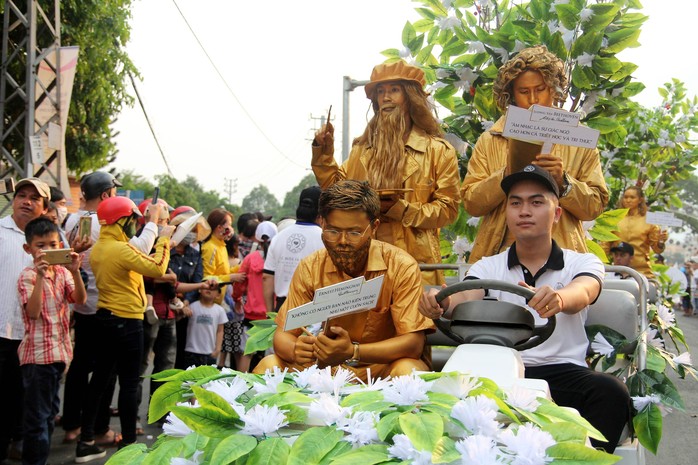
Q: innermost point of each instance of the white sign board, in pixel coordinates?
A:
(551, 125)
(350, 296)
(37, 149)
(663, 219)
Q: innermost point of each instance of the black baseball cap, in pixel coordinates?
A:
(623, 247)
(534, 173)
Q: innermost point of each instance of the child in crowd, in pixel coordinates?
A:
(205, 330)
(46, 349)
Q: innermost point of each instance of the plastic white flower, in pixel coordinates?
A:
(458, 385)
(405, 53)
(527, 444)
(449, 22)
(644, 146)
(586, 14)
(586, 226)
(486, 124)
(518, 46)
(641, 402)
(407, 390)
(403, 449)
(173, 426)
(653, 340)
(302, 377)
(479, 450)
(462, 246)
(502, 52)
(467, 76)
(435, 86)
(326, 409)
(229, 388)
(522, 398)
(459, 144)
(261, 420)
(666, 315)
(476, 47)
(477, 415)
(361, 427)
(272, 379)
(601, 346)
(680, 139)
(483, 3)
(585, 59)
(195, 459)
(683, 359)
(323, 381)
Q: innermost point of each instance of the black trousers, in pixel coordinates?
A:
(11, 392)
(602, 399)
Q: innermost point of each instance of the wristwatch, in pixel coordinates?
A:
(566, 184)
(355, 359)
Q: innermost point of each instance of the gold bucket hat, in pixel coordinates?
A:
(397, 71)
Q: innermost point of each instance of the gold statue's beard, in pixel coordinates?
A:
(386, 166)
(348, 259)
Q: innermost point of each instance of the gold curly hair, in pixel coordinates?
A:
(536, 58)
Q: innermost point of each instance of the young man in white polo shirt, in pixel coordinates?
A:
(565, 284)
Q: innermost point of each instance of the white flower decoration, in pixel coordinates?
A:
(462, 246)
(459, 144)
(653, 339)
(456, 385)
(261, 420)
(641, 402)
(326, 409)
(405, 53)
(601, 346)
(443, 73)
(644, 146)
(586, 14)
(666, 315)
(486, 125)
(361, 427)
(476, 47)
(228, 388)
(403, 449)
(585, 59)
(323, 381)
(272, 379)
(522, 398)
(175, 427)
(449, 22)
(528, 443)
(683, 359)
(302, 377)
(195, 459)
(479, 450)
(407, 390)
(477, 415)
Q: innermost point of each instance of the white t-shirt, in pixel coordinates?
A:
(568, 343)
(203, 324)
(287, 249)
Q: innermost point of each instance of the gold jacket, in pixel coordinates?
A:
(413, 223)
(483, 196)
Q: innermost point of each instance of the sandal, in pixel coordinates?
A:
(139, 429)
(109, 439)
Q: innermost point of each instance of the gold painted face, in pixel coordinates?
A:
(348, 245)
(391, 96)
(530, 89)
(630, 199)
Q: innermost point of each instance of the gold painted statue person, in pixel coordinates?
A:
(403, 156)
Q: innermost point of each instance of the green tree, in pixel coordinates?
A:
(288, 208)
(260, 199)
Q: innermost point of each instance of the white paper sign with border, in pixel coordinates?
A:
(548, 125)
(663, 219)
(354, 295)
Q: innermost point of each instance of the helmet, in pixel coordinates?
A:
(182, 209)
(164, 212)
(92, 185)
(111, 210)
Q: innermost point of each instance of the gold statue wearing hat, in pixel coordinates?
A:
(404, 157)
(533, 76)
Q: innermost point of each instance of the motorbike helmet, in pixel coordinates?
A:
(164, 212)
(181, 209)
(92, 185)
(111, 210)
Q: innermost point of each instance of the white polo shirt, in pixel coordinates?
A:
(287, 249)
(568, 343)
(14, 259)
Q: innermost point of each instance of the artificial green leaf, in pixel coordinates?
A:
(572, 453)
(606, 65)
(423, 430)
(365, 455)
(210, 421)
(260, 338)
(341, 448)
(648, 427)
(387, 426)
(552, 410)
(408, 34)
(564, 431)
(313, 444)
(603, 125)
(270, 451)
(654, 360)
(209, 398)
(622, 39)
(164, 374)
(165, 452)
(164, 398)
(602, 17)
(568, 15)
(583, 77)
(603, 235)
(445, 451)
(362, 397)
(195, 374)
(231, 448)
(129, 455)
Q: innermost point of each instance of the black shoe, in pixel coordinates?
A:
(87, 452)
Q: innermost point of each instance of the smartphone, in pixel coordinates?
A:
(58, 256)
(156, 194)
(85, 227)
(7, 186)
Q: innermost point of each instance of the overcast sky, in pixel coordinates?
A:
(281, 64)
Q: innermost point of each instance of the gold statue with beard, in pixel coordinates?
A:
(403, 156)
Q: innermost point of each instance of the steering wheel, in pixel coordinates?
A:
(490, 321)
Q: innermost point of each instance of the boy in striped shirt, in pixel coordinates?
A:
(44, 293)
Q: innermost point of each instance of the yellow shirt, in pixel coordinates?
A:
(484, 197)
(214, 257)
(635, 230)
(119, 269)
(413, 223)
(396, 313)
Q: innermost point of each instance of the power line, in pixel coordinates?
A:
(230, 90)
(152, 131)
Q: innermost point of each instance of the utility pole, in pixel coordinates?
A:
(322, 119)
(349, 85)
(231, 187)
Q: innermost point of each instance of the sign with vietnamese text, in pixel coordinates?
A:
(551, 125)
(663, 219)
